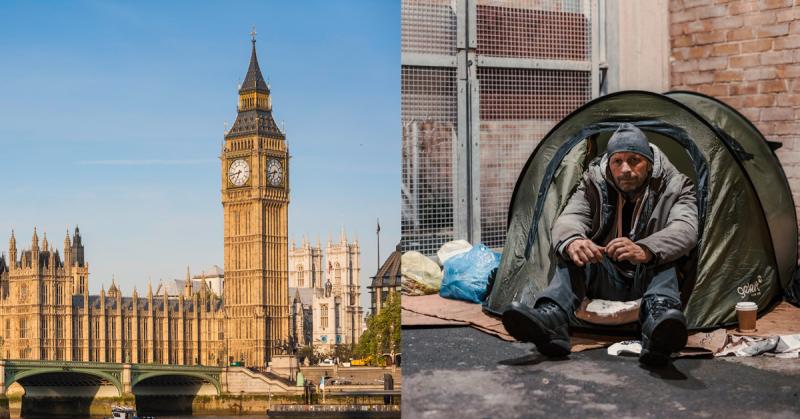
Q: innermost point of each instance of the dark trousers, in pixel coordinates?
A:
(571, 284)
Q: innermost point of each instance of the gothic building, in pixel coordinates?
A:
(46, 311)
(325, 295)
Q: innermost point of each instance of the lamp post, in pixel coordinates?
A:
(391, 344)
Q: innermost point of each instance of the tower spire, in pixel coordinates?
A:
(253, 80)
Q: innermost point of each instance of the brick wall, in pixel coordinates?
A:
(747, 54)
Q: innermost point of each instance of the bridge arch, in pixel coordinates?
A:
(19, 375)
(138, 378)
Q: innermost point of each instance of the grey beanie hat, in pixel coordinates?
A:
(629, 138)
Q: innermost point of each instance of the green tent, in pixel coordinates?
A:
(748, 245)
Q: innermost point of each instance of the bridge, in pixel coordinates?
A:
(110, 379)
(41, 388)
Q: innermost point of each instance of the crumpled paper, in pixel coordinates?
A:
(784, 346)
(626, 347)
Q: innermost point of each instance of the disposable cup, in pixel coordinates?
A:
(746, 314)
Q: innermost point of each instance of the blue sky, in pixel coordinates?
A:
(112, 116)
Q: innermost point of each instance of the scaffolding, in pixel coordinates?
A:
(482, 81)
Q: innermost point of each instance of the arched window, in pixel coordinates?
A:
(300, 281)
(323, 315)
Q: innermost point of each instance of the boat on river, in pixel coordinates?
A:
(126, 412)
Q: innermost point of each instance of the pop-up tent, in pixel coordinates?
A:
(747, 250)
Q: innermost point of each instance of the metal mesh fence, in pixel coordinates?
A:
(428, 26)
(533, 28)
(534, 60)
(518, 107)
(428, 108)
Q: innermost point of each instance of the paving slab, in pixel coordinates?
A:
(459, 372)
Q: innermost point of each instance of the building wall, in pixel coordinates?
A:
(747, 54)
(45, 313)
(305, 266)
(332, 291)
(637, 45)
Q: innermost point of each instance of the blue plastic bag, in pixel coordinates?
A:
(466, 276)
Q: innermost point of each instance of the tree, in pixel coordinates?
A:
(343, 352)
(383, 332)
(307, 352)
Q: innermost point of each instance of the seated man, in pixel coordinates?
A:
(632, 216)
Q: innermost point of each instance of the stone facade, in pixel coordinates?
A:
(46, 313)
(326, 308)
(255, 202)
(747, 54)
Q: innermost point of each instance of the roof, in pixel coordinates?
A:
(255, 121)
(212, 272)
(254, 80)
(306, 295)
(389, 273)
(176, 287)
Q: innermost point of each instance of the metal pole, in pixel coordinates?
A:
(378, 232)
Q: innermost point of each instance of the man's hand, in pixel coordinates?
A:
(583, 251)
(623, 249)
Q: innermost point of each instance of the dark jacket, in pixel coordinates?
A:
(667, 223)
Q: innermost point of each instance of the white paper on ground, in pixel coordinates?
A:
(626, 347)
(747, 346)
(788, 343)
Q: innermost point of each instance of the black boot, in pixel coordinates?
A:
(663, 330)
(547, 326)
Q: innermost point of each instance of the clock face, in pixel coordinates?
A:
(274, 172)
(239, 172)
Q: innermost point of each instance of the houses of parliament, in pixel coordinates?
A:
(46, 312)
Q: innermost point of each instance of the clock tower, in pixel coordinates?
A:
(255, 200)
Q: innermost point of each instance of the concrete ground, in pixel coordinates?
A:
(459, 372)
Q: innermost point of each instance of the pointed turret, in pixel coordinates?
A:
(35, 241)
(149, 289)
(12, 251)
(113, 291)
(67, 251)
(34, 260)
(255, 104)
(44, 242)
(253, 80)
(187, 286)
(135, 296)
(77, 247)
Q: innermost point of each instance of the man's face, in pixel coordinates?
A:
(629, 170)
